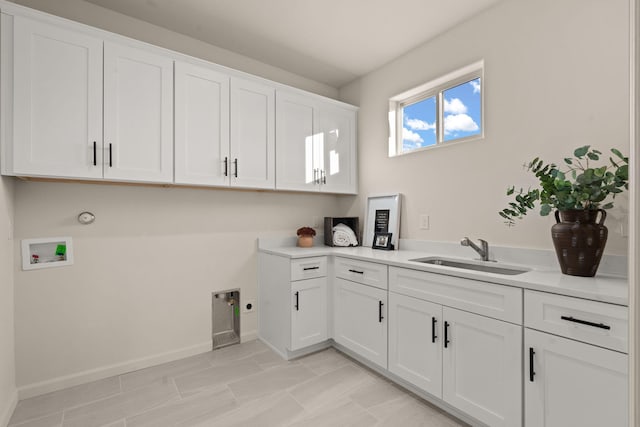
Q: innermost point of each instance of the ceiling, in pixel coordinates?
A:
(329, 41)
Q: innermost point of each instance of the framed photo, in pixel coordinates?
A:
(382, 241)
(382, 216)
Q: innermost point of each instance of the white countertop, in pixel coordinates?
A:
(605, 288)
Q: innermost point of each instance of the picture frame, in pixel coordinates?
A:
(382, 241)
(382, 216)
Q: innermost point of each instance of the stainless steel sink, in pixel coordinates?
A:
(476, 266)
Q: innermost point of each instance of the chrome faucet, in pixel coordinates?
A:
(484, 251)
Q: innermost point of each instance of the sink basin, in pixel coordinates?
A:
(485, 266)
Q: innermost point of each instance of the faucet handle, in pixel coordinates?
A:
(465, 241)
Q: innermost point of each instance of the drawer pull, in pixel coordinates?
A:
(433, 329)
(380, 317)
(531, 371)
(311, 268)
(585, 322)
(95, 154)
(446, 334)
(297, 305)
(356, 271)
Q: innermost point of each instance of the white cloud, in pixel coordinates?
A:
(417, 124)
(454, 106)
(408, 135)
(459, 122)
(476, 86)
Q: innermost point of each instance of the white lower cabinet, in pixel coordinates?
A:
(470, 361)
(292, 303)
(361, 320)
(309, 312)
(481, 367)
(569, 383)
(581, 377)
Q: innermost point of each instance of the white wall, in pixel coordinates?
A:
(556, 78)
(143, 274)
(8, 394)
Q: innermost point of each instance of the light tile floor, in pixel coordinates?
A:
(242, 385)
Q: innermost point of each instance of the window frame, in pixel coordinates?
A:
(434, 88)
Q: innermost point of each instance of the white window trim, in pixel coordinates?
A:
(433, 88)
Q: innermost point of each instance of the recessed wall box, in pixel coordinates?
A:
(47, 252)
(352, 222)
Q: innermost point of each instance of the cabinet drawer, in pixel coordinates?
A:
(593, 322)
(497, 301)
(308, 268)
(368, 273)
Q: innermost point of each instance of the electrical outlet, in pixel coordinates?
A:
(424, 222)
(316, 222)
(623, 229)
(249, 306)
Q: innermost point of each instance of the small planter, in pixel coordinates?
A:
(579, 240)
(305, 241)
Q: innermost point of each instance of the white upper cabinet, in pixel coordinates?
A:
(138, 114)
(201, 126)
(252, 152)
(81, 103)
(316, 145)
(336, 139)
(296, 167)
(57, 101)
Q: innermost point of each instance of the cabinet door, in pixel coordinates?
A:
(202, 126)
(295, 156)
(575, 384)
(335, 136)
(252, 134)
(308, 312)
(57, 102)
(415, 342)
(138, 115)
(360, 320)
(482, 367)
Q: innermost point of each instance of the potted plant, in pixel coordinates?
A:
(578, 194)
(305, 236)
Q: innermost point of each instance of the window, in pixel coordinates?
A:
(446, 110)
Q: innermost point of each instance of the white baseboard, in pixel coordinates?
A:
(7, 411)
(249, 336)
(59, 383)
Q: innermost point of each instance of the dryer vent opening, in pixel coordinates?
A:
(225, 318)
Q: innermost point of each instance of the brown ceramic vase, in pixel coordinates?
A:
(305, 241)
(579, 241)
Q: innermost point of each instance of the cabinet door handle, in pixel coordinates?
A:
(356, 271)
(95, 154)
(311, 268)
(315, 176)
(446, 334)
(226, 166)
(585, 322)
(380, 317)
(235, 162)
(433, 329)
(110, 155)
(323, 174)
(297, 305)
(531, 371)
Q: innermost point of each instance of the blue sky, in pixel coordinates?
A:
(462, 117)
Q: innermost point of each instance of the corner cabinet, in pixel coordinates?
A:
(316, 145)
(360, 309)
(293, 304)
